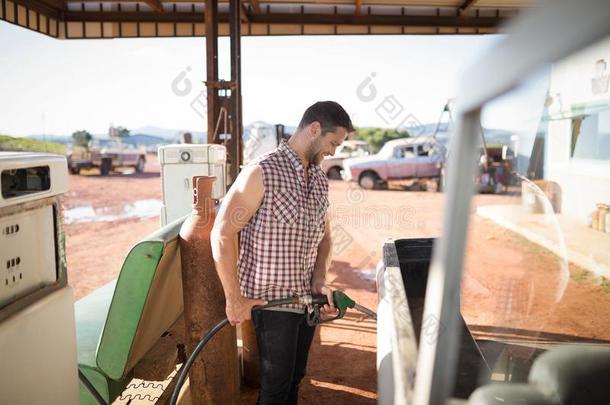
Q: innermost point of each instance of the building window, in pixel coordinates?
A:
(591, 134)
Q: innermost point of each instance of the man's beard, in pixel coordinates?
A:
(314, 155)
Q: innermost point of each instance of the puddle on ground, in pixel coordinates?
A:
(137, 209)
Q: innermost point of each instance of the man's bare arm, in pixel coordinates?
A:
(323, 260)
(239, 205)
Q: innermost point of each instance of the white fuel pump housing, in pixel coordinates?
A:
(179, 163)
(37, 331)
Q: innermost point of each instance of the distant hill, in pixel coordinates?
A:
(170, 135)
(147, 135)
(492, 136)
(30, 145)
(144, 139)
(64, 139)
(144, 136)
(151, 135)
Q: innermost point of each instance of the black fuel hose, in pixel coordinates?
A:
(189, 362)
(183, 372)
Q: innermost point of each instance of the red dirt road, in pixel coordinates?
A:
(508, 282)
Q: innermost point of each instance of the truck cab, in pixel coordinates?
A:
(106, 156)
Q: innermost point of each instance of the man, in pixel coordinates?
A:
(280, 204)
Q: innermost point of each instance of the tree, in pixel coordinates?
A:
(122, 132)
(118, 132)
(377, 137)
(81, 138)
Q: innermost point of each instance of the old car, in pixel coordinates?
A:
(108, 157)
(407, 158)
(333, 165)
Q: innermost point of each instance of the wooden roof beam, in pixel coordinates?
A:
(49, 8)
(283, 18)
(244, 13)
(155, 5)
(60, 5)
(256, 7)
(465, 6)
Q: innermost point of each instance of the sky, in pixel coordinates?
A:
(60, 86)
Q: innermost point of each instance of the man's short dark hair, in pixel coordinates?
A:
(329, 114)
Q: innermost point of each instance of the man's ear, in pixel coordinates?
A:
(315, 129)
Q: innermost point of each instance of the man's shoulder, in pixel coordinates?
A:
(270, 157)
(273, 163)
(272, 167)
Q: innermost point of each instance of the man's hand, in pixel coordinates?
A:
(240, 309)
(327, 311)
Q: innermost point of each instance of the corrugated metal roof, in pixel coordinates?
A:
(185, 18)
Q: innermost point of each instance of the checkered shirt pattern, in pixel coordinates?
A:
(279, 245)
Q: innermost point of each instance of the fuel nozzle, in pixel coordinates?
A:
(341, 301)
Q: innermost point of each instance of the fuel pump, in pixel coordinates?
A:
(37, 332)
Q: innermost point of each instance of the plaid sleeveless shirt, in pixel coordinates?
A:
(279, 245)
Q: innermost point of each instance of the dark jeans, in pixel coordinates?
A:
(283, 340)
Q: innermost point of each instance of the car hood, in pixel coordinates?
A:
(332, 158)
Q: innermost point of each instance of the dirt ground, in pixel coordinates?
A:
(96, 250)
(511, 287)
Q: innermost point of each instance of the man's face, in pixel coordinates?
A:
(322, 145)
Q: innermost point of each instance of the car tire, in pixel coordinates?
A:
(334, 173)
(140, 165)
(74, 170)
(105, 167)
(369, 181)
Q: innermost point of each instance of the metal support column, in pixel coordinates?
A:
(235, 143)
(211, 40)
(250, 357)
(214, 104)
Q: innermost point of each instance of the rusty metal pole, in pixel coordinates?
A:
(214, 377)
(211, 41)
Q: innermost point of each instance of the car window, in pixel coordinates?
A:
(361, 150)
(346, 149)
(591, 133)
(423, 150)
(406, 152)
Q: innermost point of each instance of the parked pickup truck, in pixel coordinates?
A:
(333, 165)
(408, 158)
(107, 158)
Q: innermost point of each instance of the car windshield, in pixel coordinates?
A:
(536, 252)
(346, 149)
(424, 150)
(386, 152)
